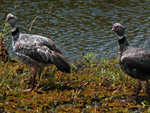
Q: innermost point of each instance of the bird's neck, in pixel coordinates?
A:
(14, 31)
(14, 27)
(15, 34)
(123, 44)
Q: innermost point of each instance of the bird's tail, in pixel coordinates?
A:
(60, 62)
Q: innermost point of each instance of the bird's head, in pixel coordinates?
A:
(119, 29)
(12, 20)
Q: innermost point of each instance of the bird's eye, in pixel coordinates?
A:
(116, 27)
(10, 18)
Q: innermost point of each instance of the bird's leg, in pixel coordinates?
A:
(138, 89)
(34, 76)
(39, 73)
(22, 75)
(147, 87)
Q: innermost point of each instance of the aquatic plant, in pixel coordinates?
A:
(4, 33)
(105, 89)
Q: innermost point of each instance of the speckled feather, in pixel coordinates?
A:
(133, 61)
(35, 50)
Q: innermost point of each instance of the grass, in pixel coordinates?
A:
(89, 88)
(95, 87)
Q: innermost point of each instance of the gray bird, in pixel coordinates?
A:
(35, 50)
(133, 61)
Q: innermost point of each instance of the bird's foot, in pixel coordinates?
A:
(30, 89)
(27, 90)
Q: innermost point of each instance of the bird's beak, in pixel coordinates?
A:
(6, 20)
(112, 29)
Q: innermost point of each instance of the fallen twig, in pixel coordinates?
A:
(16, 7)
(32, 24)
(48, 22)
(5, 10)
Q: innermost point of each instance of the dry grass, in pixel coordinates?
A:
(100, 87)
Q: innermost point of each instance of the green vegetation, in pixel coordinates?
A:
(100, 87)
(89, 88)
(5, 29)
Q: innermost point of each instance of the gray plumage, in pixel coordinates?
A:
(136, 63)
(133, 61)
(36, 50)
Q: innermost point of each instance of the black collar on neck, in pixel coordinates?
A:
(122, 40)
(15, 32)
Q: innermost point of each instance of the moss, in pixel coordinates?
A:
(97, 87)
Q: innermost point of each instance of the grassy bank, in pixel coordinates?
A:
(95, 87)
(89, 88)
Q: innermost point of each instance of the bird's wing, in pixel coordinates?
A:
(45, 41)
(60, 62)
(41, 49)
(35, 46)
(138, 59)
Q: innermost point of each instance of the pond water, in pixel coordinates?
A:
(78, 26)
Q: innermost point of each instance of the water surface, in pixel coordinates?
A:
(78, 26)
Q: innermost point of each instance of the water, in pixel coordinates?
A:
(78, 26)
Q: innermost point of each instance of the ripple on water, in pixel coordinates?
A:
(85, 25)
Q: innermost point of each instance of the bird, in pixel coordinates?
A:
(35, 50)
(135, 62)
